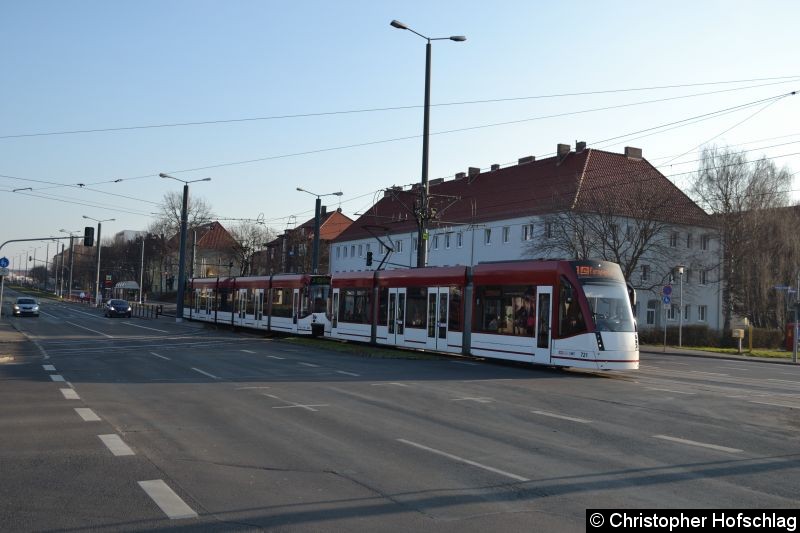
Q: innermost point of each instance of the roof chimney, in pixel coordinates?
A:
(562, 151)
(461, 175)
(580, 146)
(495, 166)
(633, 153)
(473, 171)
(323, 210)
(437, 181)
(526, 159)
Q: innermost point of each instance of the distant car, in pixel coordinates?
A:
(117, 308)
(26, 305)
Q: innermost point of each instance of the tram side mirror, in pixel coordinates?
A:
(632, 295)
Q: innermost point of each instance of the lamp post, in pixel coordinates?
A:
(317, 209)
(680, 269)
(71, 262)
(182, 253)
(98, 293)
(423, 212)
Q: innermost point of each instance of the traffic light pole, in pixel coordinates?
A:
(31, 240)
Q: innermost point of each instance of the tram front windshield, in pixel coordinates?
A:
(611, 308)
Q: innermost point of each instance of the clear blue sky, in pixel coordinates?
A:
(83, 65)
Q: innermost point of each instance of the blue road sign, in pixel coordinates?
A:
(667, 290)
(3, 262)
(666, 300)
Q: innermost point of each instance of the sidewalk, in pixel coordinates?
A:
(688, 352)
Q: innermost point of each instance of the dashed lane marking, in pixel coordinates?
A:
(465, 461)
(308, 364)
(160, 356)
(70, 394)
(115, 445)
(353, 374)
(87, 414)
(699, 444)
(166, 499)
(88, 329)
(248, 351)
(562, 417)
(49, 368)
(56, 377)
(212, 376)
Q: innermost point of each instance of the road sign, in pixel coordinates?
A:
(3, 271)
(3, 262)
(667, 290)
(666, 300)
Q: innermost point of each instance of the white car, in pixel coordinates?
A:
(25, 305)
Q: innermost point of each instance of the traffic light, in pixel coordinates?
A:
(369, 259)
(88, 236)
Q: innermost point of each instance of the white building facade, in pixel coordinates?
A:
(518, 213)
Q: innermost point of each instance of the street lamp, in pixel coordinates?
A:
(680, 269)
(423, 213)
(182, 254)
(98, 294)
(317, 209)
(71, 261)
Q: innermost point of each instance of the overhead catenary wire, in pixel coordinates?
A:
(784, 79)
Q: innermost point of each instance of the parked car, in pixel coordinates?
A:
(117, 308)
(25, 305)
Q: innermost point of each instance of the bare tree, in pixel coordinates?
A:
(250, 237)
(744, 197)
(168, 219)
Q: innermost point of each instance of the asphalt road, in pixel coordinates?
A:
(158, 425)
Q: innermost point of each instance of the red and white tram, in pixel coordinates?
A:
(559, 313)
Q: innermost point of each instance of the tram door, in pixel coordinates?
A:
(438, 299)
(259, 304)
(397, 316)
(335, 313)
(209, 301)
(544, 329)
(295, 308)
(242, 305)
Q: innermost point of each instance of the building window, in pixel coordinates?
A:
(703, 277)
(688, 240)
(435, 242)
(672, 312)
(360, 250)
(338, 252)
(447, 240)
(704, 242)
(345, 251)
(506, 234)
(487, 236)
(673, 240)
(645, 272)
(398, 246)
(369, 247)
(352, 250)
(702, 311)
(686, 312)
(527, 232)
(415, 244)
(459, 239)
(652, 305)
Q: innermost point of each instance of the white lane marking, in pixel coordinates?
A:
(49, 368)
(465, 461)
(464, 363)
(205, 373)
(70, 394)
(785, 381)
(308, 407)
(144, 327)
(479, 400)
(671, 390)
(92, 330)
(275, 357)
(56, 377)
(115, 445)
(700, 444)
(308, 364)
(708, 373)
(681, 364)
(248, 388)
(392, 383)
(776, 404)
(87, 414)
(562, 417)
(248, 351)
(166, 499)
(161, 356)
(348, 373)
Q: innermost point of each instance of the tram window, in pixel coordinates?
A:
(416, 307)
(383, 305)
(571, 321)
(225, 300)
(454, 322)
(319, 297)
(506, 309)
(355, 306)
(250, 308)
(282, 302)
